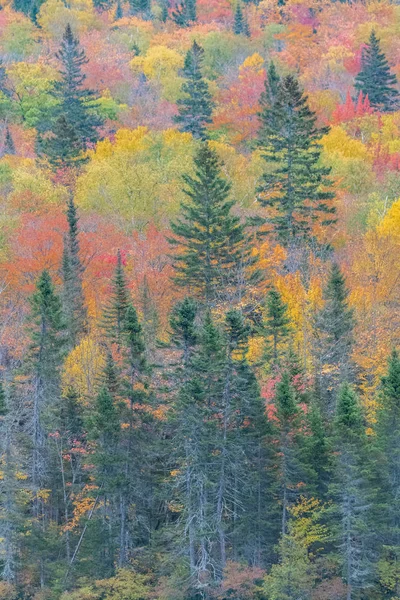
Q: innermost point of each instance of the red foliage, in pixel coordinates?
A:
(350, 109)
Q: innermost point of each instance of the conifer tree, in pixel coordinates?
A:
(183, 327)
(140, 7)
(240, 25)
(387, 470)
(119, 11)
(185, 13)
(351, 492)
(9, 147)
(164, 5)
(334, 330)
(270, 93)
(117, 306)
(276, 326)
(196, 107)
(295, 189)
(76, 125)
(375, 79)
(213, 254)
(46, 354)
(72, 269)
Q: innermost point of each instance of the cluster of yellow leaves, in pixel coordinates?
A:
(80, 14)
(161, 65)
(83, 367)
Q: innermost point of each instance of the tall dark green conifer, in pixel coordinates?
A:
(9, 146)
(185, 13)
(196, 106)
(140, 7)
(276, 327)
(117, 306)
(72, 269)
(240, 25)
(375, 79)
(334, 326)
(295, 189)
(213, 252)
(352, 494)
(76, 124)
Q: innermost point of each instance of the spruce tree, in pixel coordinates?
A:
(295, 189)
(185, 13)
(76, 124)
(119, 11)
(3, 401)
(46, 353)
(334, 325)
(117, 306)
(240, 25)
(213, 252)
(140, 7)
(276, 327)
(183, 328)
(375, 79)
(352, 494)
(270, 93)
(72, 269)
(196, 107)
(9, 147)
(387, 471)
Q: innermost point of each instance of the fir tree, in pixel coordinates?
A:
(387, 470)
(185, 13)
(164, 6)
(119, 11)
(295, 188)
(334, 330)
(3, 401)
(196, 107)
(141, 7)
(116, 309)
(240, 25)
(76, 125)
(213, 258)
(270, 93)
(183, 327)
(352, 494)
(72, 269)
(375, 79)
(9, 147)
(276, 326)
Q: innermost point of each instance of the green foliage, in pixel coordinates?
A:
(240, 25)
(375, 79)
(276, 327)
(295, 187)
(185, 13)
(212, 256)
(116, 310)
(195, 108)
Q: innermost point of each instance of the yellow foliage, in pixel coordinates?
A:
(83, 367)
(80, 14)
(255, 62)
(21, 476)
(161, 65)
(338, 142)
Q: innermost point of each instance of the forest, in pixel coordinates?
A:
(199, 300)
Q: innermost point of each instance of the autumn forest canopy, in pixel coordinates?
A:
(199, 300)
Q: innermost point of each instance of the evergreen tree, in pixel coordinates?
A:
(3, 401)
(196, 107)
(375, 79)
(351, 492)
(213, 259)
(119, 11)
(387, 471)
(184, 331)
(240, 25)
(9, 147)
(116, 309)
(295, 187)
(185, 13)
(141, 7)
(76, 125)
(334, 326)
(164, 5)
(46, 354)
(276, 326)
(268, 97)
(72, 269)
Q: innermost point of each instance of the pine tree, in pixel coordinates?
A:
(196, 107)
(334, 326)
(375, 79)
(295, 187)
(387, 471)
(119, 11)
(9, 147)
(351, 493)
(116, 309)
(140, 7)
(164, 5)
(72, 269)
(76, 125)
(268, 97)
(213, 259)
(46, 354)
(3, 402)
(185, 13)
(183, 328)
(276, 326)
(240, 25)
